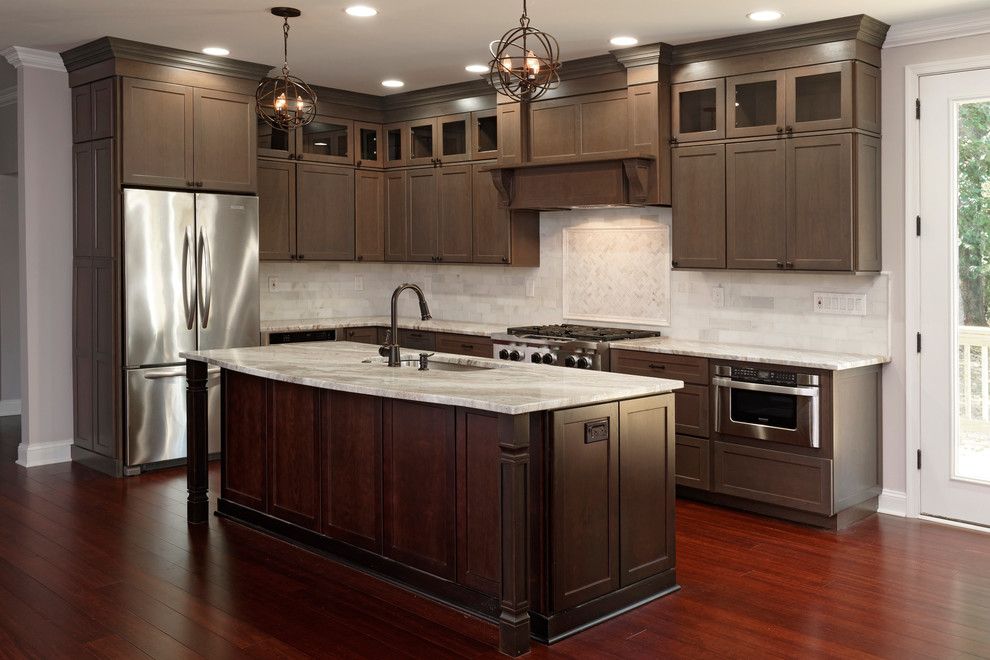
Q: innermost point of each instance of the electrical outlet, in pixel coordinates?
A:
(359, 283)
(274, 286)
(718, 296)
(531, 288)
(846, 304)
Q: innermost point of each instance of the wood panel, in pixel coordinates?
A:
(688, 368)
(867, 97)
(774, 477)
(367, 335)
(276, 210)
(294, 453)
(396, 216)
(584, 505)
(604, 124)
(464, 344)
(513, 133)
(83, 199)
(352, 468)
(646, 487)
(417, 340)
(324, 212)
(226, 141)
(84, 422)
(478, 518)
(693, 407)
(245, 440)
(94, 110)
(419, 486)
(756, 205)
(490, 230)
(82, 113)
(692, 462)
(554, 130)
(454, 213)
(867, 165)
(698, 196)
(369, 215)
(106, 359)
(423, 206)
(157, 134)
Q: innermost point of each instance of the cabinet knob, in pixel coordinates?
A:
(674, 264)
(790, 129)
(439, 259)
(780, 129)
(199, 184)
(299, 156)
(673, 140)
(360, 257)
(505, 260)
(190, 184)
(780, 264)
(301, 257)
(789, 264)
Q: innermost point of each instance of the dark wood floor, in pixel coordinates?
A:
(96, 567)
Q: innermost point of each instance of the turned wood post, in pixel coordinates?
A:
(513, 622)
(197, 441)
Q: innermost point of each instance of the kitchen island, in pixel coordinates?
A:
(538, 497)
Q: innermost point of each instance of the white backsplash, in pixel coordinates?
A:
(763, 309)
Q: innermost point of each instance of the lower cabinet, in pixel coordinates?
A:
(294, 454)
(366, 335)
(245, 451)
(418, 340)
(785, 479)
(464, 345)
(692, 459)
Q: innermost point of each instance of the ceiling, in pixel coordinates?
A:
(423, 42)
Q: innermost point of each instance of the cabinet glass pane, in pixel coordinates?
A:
(454, 137)
(394, 138)
(369, 144)
(272, 138)
(698, 111)
(818, 97)
(756, 104)
(326, 139)
(421, 145)
(487, 134)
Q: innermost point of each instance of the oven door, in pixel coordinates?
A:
(774, 413)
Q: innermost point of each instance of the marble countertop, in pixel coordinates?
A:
(404, 322)
(498, 386)
(792, 357)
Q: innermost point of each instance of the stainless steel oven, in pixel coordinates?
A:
(764, 404)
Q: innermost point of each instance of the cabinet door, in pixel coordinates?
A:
(83, 364)
(513, 133)
(274, 142)
(396, 145)
(484, 134)
(454, 138)
(554, 130)
(422, 142)
(755, 204)
(419, 475)
(368, 151)
(478, 510)
(604, 124)
(418, 340)
(225, 138)
(819, 202)
(464, 345)
(491, 222)
(276, 210)
(326, 140)
(693, 404)
(820, 97)
(324, 212)
(775, 477)
(423, 205)
(294, 453)
(157, 134)
(584, 504)
(698, 197)
(646, 487)
(93, 111)
(756, 104)
(692, 462)
(369, 215)
(698, 112)
(396, 216)
(244, 478)
(352, 469)
(364, 335)
(454, 216)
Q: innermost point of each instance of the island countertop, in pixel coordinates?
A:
(497, 386)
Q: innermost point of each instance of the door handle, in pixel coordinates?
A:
(205, 292)
(175, 373)
(188, 306)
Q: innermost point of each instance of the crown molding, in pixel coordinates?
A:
(658, 53)
(32, 58)
(441, 94)
(8, 96)
(938, 29)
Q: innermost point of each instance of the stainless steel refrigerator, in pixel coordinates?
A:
(190, 283)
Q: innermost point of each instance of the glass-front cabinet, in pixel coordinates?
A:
(368, 150)
(698, 111)
(396, 144)
(326, 140)
(819, 97)
(422, 142)
(756, 104)
(484, 128)
(455, 141)
(275, 142)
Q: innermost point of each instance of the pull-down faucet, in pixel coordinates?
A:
(390, 348)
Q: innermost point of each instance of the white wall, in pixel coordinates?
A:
(10, 361)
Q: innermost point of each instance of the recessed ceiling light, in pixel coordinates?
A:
(764, 15)
(216, 50)
(477, 68)
(392, 83)
(362, 11)
(623, 41)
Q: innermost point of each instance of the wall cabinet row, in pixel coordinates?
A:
(806, 203)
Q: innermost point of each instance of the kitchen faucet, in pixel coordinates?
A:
(390, 348)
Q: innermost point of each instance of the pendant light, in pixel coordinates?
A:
(285, 101)
(525, 62)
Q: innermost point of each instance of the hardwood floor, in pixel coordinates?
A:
(96, 567)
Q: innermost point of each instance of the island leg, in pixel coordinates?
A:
(513, 624)
(197, 442)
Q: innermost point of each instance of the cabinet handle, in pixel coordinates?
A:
(357, 164)
(653, 365)
(468, 346)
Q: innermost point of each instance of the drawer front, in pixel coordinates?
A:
(418, 340)
(678, 367)
(774, 477)
(691, 406)
(692, 462)
(464, 345)
(362, 335)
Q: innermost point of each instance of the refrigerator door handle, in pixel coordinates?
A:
(205, 292)
(175, 373)
(189, 306)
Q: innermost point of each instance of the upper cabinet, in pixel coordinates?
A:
(396, 144)
(326, 140)
(422, 141)
(756, 104)
(820, 97)
(368, 145)
(589, 126)
(699, 111)
(454, 135)
(484, 134)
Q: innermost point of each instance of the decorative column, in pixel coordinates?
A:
(197, 442)
(513, 622)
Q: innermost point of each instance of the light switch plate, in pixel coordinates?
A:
(274, 286)
(845, 304)
(718, 296)
(359, 283)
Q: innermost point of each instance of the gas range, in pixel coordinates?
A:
(564, 345)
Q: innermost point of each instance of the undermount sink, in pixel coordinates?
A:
(409, 362)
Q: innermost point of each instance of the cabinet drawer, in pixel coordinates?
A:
(464, 345)
(362, 335)
(691, 410)
(774, 477)
(692, 462)
(418, 340)
(678, 367)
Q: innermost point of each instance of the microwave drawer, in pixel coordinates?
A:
(775, 477)
(690, 369)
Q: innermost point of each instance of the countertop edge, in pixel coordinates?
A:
(763, 355)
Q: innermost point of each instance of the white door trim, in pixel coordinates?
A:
(912, 261)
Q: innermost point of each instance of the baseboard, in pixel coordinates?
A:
(44, 453)
(10, 407)
(893, 503)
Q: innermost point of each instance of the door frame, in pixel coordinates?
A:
(912, 262)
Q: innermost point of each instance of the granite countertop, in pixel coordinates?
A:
(404, 322)
(792, 357)
(502, 387)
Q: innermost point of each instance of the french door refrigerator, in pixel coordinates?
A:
(190, 283)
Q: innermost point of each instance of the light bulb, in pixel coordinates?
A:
(280, 103)
(532, 63)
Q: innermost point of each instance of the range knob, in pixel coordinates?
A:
(549, 358)
(503, 354)
(536, 357)
(515, 356)
(584, 363)
(570, 361)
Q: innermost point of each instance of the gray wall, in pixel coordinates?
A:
(10, 361)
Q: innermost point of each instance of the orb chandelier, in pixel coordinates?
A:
(525, 62)
(285, 101)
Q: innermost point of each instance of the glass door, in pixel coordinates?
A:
(699, 111)
(275, 142)
(455, 139)
(326, 140)
(484, 142)
(396, 145)
(819, 97)
(756, 104)
(954, 285)
(422, 142)
(367, 148)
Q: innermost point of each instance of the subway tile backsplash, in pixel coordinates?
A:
(762, 309)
